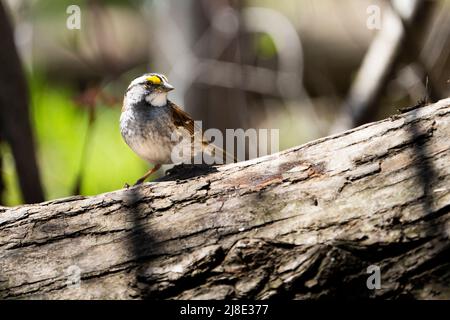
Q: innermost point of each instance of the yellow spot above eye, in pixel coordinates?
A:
(154, 79)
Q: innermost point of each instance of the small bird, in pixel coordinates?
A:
(149, 122)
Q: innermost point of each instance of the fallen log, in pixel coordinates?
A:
(315, 221)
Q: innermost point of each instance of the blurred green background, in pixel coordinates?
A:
(65, 150)
(288, 65)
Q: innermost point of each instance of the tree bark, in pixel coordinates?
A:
(308, 222)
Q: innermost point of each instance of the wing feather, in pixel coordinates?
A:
(182, 119)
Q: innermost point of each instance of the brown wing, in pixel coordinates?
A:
(183, 119)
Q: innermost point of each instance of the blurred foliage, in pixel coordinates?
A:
(264, 46)
(45, 8)
(121, 39)
(61, 127)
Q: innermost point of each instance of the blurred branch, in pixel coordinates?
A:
(184, 54)
(435, 52)
(108, 68)
(402, 21)
(289, 48)
(15, 126)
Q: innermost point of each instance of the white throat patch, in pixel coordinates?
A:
(157, 99)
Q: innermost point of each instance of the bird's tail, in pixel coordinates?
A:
(218, 153)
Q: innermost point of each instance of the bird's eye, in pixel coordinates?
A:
(154, 80)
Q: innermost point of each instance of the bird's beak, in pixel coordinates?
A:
(168, 87)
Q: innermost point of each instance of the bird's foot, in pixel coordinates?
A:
(140, 181)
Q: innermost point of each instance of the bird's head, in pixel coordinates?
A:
(151, 87)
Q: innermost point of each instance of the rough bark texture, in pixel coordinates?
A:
(304, 223)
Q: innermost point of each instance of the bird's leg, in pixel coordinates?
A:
(149, 172)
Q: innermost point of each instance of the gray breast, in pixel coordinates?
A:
(147, 130)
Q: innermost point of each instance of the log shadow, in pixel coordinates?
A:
(434, 233)
(187, 171)
(142, 244)
(429, 239)
(427, 176)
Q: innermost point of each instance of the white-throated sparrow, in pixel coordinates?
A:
(153, 126)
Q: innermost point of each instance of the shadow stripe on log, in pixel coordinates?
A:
(303, 223)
